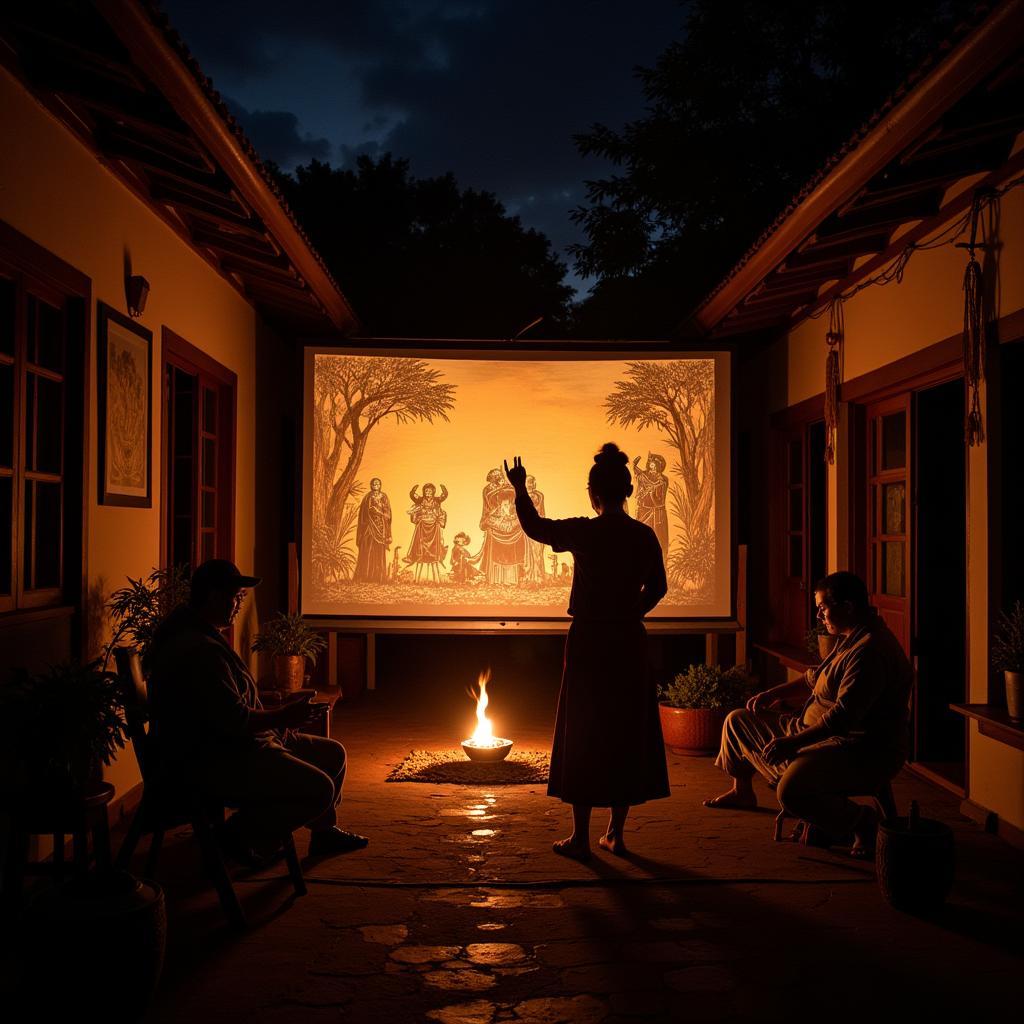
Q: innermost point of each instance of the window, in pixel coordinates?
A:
(198, 458)
(41, 355)
(889, 520)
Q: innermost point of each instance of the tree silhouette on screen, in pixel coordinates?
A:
(351, 395)
(678, 398)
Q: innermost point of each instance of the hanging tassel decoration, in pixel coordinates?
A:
(833, 377)
(974, 334)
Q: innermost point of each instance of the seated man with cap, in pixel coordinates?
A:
(208, 724)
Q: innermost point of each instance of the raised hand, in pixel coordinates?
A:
(517, 474)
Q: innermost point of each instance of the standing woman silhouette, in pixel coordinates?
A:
(607, 749)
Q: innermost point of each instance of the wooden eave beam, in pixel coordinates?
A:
(957, 206)
(151, 52)
(966, 66)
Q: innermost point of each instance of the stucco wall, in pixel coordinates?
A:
(53, 190)
(886, 323)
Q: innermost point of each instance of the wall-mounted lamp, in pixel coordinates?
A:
(136, 292)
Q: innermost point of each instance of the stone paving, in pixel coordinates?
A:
(459, 913)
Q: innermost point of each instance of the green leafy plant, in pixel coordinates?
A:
(139, 608)
(289, 634)
(1008, 640)
(811, 636)
(64, 722)
(708, 687)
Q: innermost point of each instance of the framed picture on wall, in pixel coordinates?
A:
(124, 372)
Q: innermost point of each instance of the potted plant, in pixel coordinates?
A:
(64, 724)
(820, 641)
(139, 608)
(290, 642)
(694, 705)
(1008, 657)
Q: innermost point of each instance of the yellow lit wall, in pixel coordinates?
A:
(54, 190)
(887, 323)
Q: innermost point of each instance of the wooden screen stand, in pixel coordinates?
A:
(371, 661)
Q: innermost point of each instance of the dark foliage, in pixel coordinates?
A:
(741, 113)
(423, 257)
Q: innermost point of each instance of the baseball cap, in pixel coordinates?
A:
(220, 574)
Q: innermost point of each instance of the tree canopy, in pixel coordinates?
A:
(424, 257)
(740, 114)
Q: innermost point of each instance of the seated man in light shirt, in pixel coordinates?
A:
(849, 739)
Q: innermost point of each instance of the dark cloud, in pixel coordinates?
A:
(492, 90)
(276, 136)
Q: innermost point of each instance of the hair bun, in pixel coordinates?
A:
(611, 455)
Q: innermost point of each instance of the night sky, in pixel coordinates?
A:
(492, 90)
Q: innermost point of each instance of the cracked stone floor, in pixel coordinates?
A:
(459, 913)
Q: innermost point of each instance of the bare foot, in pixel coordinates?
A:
(865, 835)
(572, 848)
(613, 843)
(733, 800)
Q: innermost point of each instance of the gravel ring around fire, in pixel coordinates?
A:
(521, 767)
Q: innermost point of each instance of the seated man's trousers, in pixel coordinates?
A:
(817, 783)
(279, 788)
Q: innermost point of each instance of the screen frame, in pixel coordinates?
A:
(510, 351)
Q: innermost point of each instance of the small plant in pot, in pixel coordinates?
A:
(139, 608)
(64, 724)
(290, 642)
(820, 641)
(1008, 657)
(694, 704)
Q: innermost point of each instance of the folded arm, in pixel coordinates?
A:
(862, 681)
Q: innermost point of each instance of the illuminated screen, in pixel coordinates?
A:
(407, 514)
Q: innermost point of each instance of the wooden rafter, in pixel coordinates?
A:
(959, 120)
(115, 77)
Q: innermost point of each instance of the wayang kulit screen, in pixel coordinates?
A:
(406, 512)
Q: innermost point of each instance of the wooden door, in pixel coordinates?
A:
(793, 556)
(888, 516)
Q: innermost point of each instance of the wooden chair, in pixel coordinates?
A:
(885, 804)
(169, 802)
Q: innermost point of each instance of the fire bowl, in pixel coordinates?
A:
(497, 751)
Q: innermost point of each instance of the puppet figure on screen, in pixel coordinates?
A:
(427, 549)
(504, 551)
(533, 563)
(373, 535)
(464, 568)
(651, 490)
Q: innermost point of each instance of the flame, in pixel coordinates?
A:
(483, 735)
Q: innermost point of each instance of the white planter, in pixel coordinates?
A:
(1014, 694)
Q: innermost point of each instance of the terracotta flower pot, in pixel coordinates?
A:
(289, 671)
(694, 732)
(1014, 694)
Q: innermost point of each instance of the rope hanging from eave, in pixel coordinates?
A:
(974, 330)
(833, 376)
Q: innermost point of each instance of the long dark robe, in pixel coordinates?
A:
(373, 538)
(607, 749)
